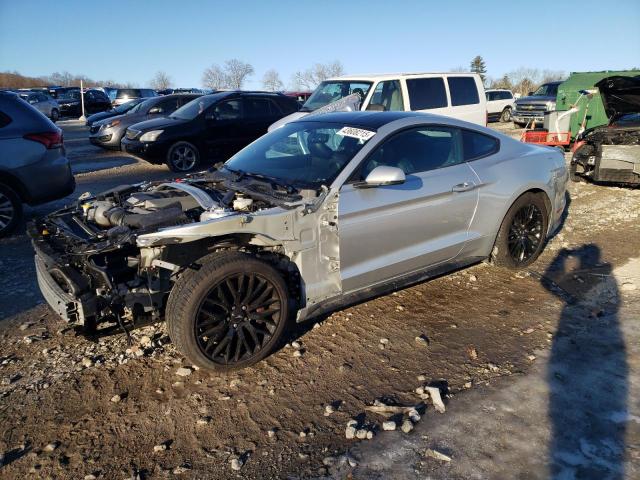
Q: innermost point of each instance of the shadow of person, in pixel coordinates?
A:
(587, 371)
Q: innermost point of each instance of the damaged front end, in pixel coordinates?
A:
(608, 155)
(114, 257)
(611, 153)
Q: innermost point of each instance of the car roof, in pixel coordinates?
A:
(372, 120)
(497, 90)
(382, 76)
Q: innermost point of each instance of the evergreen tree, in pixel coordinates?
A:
(478, 66)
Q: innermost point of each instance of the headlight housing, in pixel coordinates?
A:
(551, 106)
(112, 124)
(151, 136)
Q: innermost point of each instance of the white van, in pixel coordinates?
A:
(457, 95)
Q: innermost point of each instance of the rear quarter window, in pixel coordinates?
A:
(476, 145)
(4, 119)
(426, 93)
(463, 91)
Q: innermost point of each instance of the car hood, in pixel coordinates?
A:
(156, 123)
(620, 95)
(96, 117)
(126, 119)
(535, 99)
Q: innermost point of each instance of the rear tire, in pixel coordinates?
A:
(523, 232)
(10, 210)
(182, 157)
(230, 313)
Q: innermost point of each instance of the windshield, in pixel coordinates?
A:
(546, 90)
(70, 95)
(142, 106)
(125, 107)
(195, 107)
(329, 92)
(301, 154)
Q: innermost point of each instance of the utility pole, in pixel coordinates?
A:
(83, 118)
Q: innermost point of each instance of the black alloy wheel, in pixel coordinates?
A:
(229, 312)
(10, 210)
(525, 233)
(238, 317)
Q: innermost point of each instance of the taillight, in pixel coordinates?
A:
(48, 139)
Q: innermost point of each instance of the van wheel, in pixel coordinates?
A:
(506, 115)
(182, 157)
(522, 234)
(10, 209)
(230, 313)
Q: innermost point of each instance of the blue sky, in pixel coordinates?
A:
(130, 41)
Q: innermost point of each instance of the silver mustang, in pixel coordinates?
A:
(319, 213)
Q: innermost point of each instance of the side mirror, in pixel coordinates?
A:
(529, 94)
(156, 110)
(33, 101)
(382, 175)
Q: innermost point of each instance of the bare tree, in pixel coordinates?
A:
(271, 81)
(161, 81)
(214, 77)
(237, 72)
(525, 80)
(310, 78)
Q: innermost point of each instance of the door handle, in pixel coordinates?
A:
(463, 187)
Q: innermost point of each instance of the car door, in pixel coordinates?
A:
(393, 230)
(224, 129)
(259, 113)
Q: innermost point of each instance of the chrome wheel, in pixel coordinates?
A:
(183, 158)
(7, 212)
(238, 317)
(525, 233)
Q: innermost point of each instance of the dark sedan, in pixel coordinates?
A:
(109, 132)
(210, 127)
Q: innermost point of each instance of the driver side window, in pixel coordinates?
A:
(229, 110)
(416, 150)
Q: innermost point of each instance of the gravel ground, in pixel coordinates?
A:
(72, 408)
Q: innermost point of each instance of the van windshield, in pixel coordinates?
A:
(334, 90)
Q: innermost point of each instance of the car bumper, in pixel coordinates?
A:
(152, 151)
(49, 179)
(106, 139)
(526, 117)
(64, 304)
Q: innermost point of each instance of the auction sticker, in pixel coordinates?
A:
(359, 133)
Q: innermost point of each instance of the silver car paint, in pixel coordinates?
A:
(349, 240)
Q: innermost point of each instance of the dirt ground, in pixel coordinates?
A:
(71, 408)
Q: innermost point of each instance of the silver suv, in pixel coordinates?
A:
(33, 165)
(43, 103)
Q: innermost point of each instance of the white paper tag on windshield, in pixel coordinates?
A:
(359, 133)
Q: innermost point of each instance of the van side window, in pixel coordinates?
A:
(477, 145)
(463, 91)
(426, 93)
(388, 95)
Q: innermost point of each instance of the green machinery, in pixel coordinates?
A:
(569, 94)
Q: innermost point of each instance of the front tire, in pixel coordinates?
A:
(10, 210)
(522, 234)
(506, 115)
(55, 115)
(230, 313)
(182, 157)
